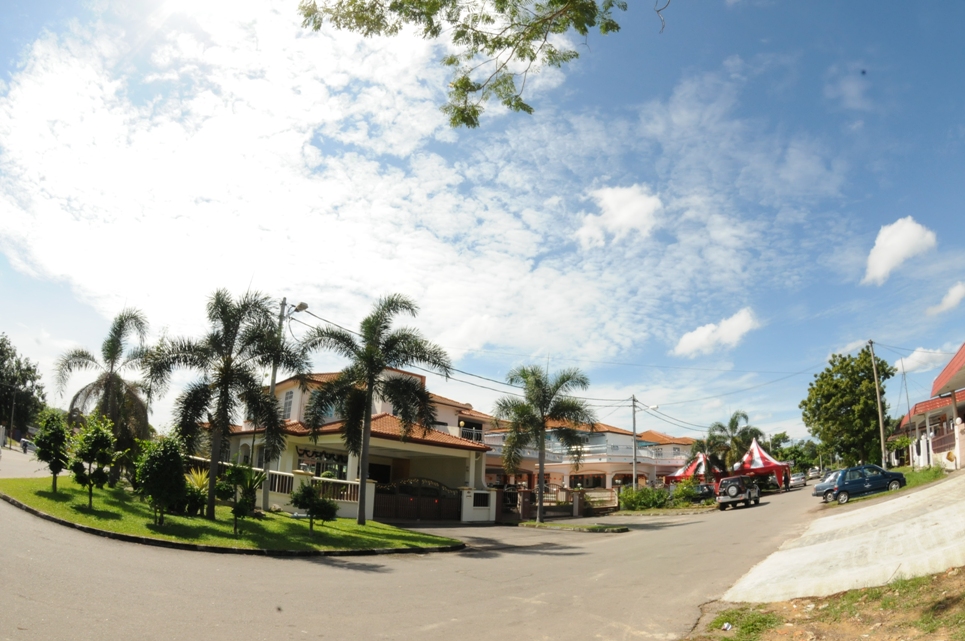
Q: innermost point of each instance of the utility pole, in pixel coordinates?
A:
(633, 405)
(271, 393)
(881, 416)
(914, 451)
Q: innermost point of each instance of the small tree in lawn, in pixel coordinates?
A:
(307, 498)
(53, 442)
(246, 483)
(93, 455)
(160, 476)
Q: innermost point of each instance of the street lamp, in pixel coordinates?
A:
(285, 312)
(646, 407)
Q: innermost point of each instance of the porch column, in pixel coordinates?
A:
(352, 468)
(956, 427)
(566, 479)
(609, 481)
(927, 447)
(471, 481)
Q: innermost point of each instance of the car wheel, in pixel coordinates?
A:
(843, 498)
(894, 485)
(828, 496)
(757, 501)
(721, 506)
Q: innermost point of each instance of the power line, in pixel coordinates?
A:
(746, 389)
(908, 349)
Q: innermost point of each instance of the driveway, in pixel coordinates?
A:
(909, 534)
(519, 583)
(14, 464)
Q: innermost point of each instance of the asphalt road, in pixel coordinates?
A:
(519, 583)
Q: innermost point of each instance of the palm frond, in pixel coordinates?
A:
(572, 441)
(128, 321)
(376, 324)
(334, 339)
(411, 402)
(352, 409)
(405, 346)
(191, 409)
(74, 360)
(85, 395)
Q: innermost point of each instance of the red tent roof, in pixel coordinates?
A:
(757, 461)
(696, 467)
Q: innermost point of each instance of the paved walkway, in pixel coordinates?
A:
(921, 532)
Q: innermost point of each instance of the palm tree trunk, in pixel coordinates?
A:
(213, 469)
(539, 476)
(364, 454)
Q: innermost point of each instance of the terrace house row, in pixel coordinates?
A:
(446, 473)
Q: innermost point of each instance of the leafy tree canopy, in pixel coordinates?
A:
(93, 454)
(53, 441)
(160, 475)
(496, 43)
(20, 384)
(841, 407)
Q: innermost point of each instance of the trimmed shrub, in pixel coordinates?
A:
(160, 475)
(307, 498)
(643, 498)
(93, 453)
(53, 442)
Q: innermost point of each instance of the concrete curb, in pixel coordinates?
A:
(217, 549)
(608, 529)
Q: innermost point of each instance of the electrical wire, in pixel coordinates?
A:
(746, 389)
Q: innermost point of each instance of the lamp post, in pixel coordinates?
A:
(284, 313)
(648, 407)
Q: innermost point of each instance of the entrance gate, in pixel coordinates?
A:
(417, 500)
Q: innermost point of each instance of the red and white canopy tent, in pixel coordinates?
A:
(697, 467)
(758, 462)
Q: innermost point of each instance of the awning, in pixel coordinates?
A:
(953, 376)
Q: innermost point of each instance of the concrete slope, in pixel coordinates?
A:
(913, 534)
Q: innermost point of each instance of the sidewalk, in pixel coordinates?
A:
(14, 464)
(922, 532)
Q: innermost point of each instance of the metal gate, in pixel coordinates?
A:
(417, 500)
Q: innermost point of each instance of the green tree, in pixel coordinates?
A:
(53, 442)
(93, 454)
(778, 441)
(737, 437)
(240, 342)
(22, 394)
(375, 348)
(122, 400)
(316, 507)
(496, 44)
(841, 407)
(713, 446)
(546, 402)
(160, 476)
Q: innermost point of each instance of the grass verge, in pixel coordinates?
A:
(928, 607)
(118, 511)
(668, 511)
(576, 527)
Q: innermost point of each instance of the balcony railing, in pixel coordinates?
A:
(472, 435)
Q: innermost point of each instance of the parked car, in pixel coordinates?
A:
(799, 479)
(826, 485)
(862, 479)
(737, 489)
(28, 447)
(814, 473)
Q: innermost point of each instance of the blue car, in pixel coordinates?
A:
(863, 479)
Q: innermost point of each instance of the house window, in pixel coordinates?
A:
(286, 411)
(658, 452)
(676, 451)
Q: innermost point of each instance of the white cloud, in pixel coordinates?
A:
(950, 301)
(850, 347)
(713, 336)
(624, 209)
(848, 85)
(922, 360)
(896, 243)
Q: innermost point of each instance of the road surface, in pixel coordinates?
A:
(518, 583)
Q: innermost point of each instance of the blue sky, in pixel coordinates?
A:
(698, 217)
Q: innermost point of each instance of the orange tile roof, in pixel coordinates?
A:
(664, 439)
(952, 377)
(920, 409)
(386, 426)
(442, 400)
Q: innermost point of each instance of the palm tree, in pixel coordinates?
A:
(242, 339)
(121, 400)
(373, 349)
(546, 402)
(711, 446)
(736, 437)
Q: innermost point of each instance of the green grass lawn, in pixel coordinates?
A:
(120, 511)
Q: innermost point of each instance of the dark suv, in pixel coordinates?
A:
(863, 479)
(737, 489)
